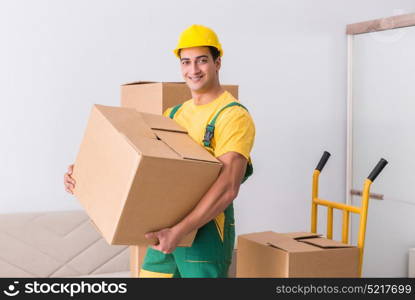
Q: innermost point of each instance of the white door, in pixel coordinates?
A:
(383, 120)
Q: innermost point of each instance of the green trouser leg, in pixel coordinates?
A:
(209, 257)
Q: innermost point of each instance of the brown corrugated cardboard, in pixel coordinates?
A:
(271, 254)
(137, 173)
(137, 255)
(156, 97)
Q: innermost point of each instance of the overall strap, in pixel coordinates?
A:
(210, 128)
(210, 131)
(174, 110)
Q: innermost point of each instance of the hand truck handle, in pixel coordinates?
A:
(323, 161)
(379, 167)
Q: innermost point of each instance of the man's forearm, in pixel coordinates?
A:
(219, 196)
(216, 200)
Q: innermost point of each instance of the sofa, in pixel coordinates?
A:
(60, 244)
(57, 244)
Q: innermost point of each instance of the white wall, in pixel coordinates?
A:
(59, 57)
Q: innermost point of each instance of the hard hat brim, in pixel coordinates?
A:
(177, 50)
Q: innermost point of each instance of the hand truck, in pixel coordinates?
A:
(347, 209)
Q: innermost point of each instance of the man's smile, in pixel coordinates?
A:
(195, 78)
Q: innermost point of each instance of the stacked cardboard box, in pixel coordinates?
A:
(156, 97)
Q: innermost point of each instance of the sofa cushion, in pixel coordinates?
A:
(56, 244)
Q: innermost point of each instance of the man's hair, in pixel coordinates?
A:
(213, 51)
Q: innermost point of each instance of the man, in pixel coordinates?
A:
(230, 141)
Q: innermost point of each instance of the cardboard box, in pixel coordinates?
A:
(156, 97)
(301, 254)
(137, 255)
(138, 172)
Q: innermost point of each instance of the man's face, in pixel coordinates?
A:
(198, 68)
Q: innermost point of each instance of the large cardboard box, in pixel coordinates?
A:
(138, 172)
(301, 254)
(156, 97)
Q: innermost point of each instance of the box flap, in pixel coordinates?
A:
(283, 241)
(131, 124)
(302, 235)
(185, 146)
(147, 82)
(138, 82)
(127, 121)
(291, 245)
(161, 123)
(279, 241)
(325, 243)
(174, 82)
(261, 237)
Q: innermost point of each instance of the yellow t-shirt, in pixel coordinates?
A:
(234, 127)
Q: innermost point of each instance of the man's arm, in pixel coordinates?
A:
(219, 196)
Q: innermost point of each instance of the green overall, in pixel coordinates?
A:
(211, 252)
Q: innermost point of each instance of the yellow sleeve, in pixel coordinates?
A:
(167, 112)
(234, 131)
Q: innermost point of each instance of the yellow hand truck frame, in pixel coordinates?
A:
(347, 209)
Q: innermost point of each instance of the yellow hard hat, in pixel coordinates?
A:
(198, 35)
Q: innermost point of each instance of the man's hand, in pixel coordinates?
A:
(168, 239)
(68, 181)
